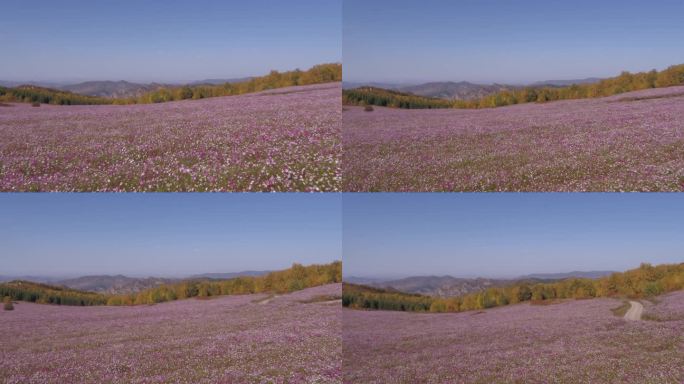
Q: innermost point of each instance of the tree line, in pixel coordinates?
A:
(40, 95)
(643, 282)
(48, 294)
(293, 279)
(386, 98)
(625, 82)
(322, 73)
(318, 74)
(289, 280)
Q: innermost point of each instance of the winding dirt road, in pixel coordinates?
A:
(634, 313)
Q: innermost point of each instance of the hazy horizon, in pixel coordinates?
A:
(493, 41)
(472, 276)
(165, 41)
(508, 235)
(165, 235)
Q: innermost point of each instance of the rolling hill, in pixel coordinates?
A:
(626, 142)
(120, 284)
(565, 83)
(441, 286)
(35, 94)
(463, 90)
(449, 286)
(230, 339)
(567, 275)
(123, 92)
(577, 341)
(229, 275)
(116, 284)
(111, 89)
(450, 90)
(124, 89)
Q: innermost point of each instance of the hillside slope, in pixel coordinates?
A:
(280, 140)
(231, 339)
(628, 142)
(570, 342)
(112, 89)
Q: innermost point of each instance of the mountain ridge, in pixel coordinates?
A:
(449, 286)
(116, 88)
(122, 284)
(463, 90)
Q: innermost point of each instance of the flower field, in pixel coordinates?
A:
(569, 342)
(230, 339)
(286, 139)
(629, 142)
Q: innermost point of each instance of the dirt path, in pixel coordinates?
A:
(634, 313)
(268, 299)
(330, 302)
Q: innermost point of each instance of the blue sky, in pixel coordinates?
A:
(510, 234)
(165, 234)
(508, 41)
(165, 40)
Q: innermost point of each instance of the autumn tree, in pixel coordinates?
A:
(7, 303)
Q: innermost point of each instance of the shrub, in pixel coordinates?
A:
(8, 303)
(368, 108)
(653, 289)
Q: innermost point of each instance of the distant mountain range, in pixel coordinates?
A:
(120, 284)
(577, 274)
(35, 279)
(448, 286)
(392, 86)
(363, 280)
(451, 90)
(113, 284)
(231, 275)
(115, 89)
(462, 90)
(220, 81)
(564, 83)
(455, 91)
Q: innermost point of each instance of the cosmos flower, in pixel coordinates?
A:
(281, 140)
(229, 339)
(627, 142)
(577, 341)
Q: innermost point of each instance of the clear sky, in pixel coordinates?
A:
(165, 40)
(165, 234)
(508, 41)
(509, 234)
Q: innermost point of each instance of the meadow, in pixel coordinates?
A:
(567, 341)
(257, 338)
(287, 139)
(629, 142)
